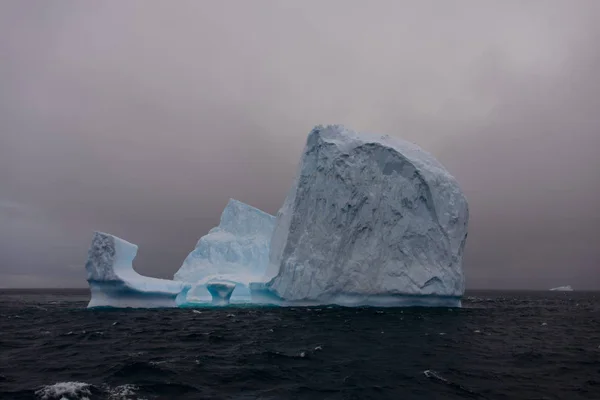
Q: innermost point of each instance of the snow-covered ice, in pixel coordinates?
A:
(114, 283)
(236, 251)
(369, 220)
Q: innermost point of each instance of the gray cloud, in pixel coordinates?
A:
(143, 118)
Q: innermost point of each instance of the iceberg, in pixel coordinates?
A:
(235, 251)
(369, 220)
(114, 283)
(567, 288)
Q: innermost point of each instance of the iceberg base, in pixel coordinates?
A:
(118, 295)
(261, 294)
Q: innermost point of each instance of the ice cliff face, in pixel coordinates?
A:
(237, 250)
(369, 219)
(114, 283)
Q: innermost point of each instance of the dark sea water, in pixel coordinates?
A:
(501, 345)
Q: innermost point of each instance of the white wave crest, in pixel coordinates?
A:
(65, 391)
(123, 392)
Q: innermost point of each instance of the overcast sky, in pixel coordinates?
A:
(142, 118)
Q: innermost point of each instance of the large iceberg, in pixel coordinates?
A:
(236, 251)
(114, 283)
(369, 220)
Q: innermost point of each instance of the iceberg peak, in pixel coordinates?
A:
(242, 219)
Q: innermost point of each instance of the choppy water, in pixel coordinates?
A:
(513, 345)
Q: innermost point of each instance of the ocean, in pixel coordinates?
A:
(500, 345)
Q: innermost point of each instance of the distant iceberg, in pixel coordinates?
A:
(369, 220)
(114, 283)
(235, 251)
(567, 288)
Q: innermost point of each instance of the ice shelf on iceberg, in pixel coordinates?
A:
(567, 288)
(236, 251)
(114, 283)
(369, 220)
(220, 291)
